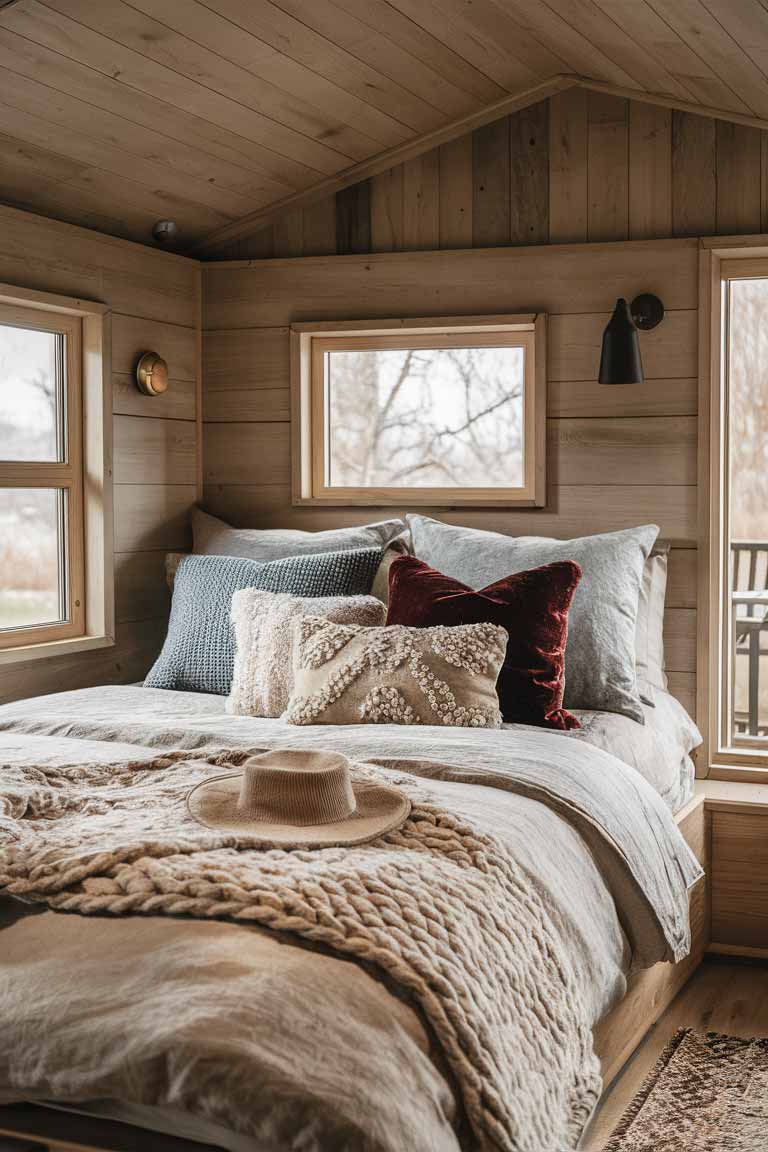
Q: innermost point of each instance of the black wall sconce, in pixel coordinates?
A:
(620, 361)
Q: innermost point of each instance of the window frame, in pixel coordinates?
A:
(86, 474)
(309, 342)
(721, 260)
(45, 474)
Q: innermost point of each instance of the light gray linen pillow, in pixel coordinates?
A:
(214, 537)
(600, 655)
(649, 640)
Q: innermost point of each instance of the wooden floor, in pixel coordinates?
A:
(720, 997)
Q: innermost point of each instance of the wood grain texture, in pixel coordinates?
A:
(650, 171)
(568, 167)
(629, 450)
(387, 210)
(421, 201)
(738, 179)
(694, 175)
(154, 451)
(555, 279)
(675, 396)
(740, 878)
(455, 193)
(577, 510)
(153, 516)
(608, 167)
(491, 185)
(353, 219)
(529, 175)
(141, 590)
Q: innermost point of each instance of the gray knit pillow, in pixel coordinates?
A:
(199, 650)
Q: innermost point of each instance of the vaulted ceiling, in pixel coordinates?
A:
(115, 114)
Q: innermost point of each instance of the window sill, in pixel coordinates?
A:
(26, 652)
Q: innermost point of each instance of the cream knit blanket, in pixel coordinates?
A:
(439, 906)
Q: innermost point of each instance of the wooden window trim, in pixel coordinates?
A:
(309, 342)
(86, 474)
(719, 261)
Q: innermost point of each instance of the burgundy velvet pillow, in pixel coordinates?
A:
(532, 606)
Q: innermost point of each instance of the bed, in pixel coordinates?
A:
(220, 1032)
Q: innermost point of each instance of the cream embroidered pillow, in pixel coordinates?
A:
(263, 621)
(345, 674)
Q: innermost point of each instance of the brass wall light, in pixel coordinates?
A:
(620, 361)
(151, 374)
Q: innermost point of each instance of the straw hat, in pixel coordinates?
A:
(298, 799)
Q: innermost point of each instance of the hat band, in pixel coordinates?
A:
(297, 797)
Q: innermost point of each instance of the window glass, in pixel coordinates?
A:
(747, 453)
(424, 418)
(31, 395)
(32, 557)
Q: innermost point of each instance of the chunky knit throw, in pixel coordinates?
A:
(440, 907)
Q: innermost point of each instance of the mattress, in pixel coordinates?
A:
(275, 1007)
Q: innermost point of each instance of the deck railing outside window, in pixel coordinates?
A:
(749, 632)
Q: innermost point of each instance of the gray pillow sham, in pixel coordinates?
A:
(649, 639)
(199, 650)
(600, 656)
(214, 537)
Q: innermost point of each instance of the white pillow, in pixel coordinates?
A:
(262, 682)
(214, 537)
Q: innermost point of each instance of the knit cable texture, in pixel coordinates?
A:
(439, 906)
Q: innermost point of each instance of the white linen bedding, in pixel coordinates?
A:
(659, 750)
(337, 1060)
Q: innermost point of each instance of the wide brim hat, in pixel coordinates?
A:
(298, 799)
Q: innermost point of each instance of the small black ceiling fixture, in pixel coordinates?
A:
(165, 231)
(620, 361)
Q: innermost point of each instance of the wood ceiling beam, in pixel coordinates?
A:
(666, 101)
(383, 161)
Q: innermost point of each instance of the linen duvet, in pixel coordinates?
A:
(255, 1039)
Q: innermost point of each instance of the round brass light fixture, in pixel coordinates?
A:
(152, 374)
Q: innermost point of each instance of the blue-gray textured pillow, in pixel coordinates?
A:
(199, 651)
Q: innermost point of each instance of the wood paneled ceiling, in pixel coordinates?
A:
(115, 114)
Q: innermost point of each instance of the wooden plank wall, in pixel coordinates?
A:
(617, 457)
(582, 166)
(154, 299)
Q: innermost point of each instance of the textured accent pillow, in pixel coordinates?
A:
(214, 537)
(533, 608)
(263, 678)
(649, 638)
(199, 650)
(344, 674)
(600, 654)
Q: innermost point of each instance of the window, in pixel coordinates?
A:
(420, 411)
(49, 523)
(734, 605)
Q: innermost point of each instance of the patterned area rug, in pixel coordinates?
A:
(706, 1093)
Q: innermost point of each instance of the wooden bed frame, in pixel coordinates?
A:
(616, 1037)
